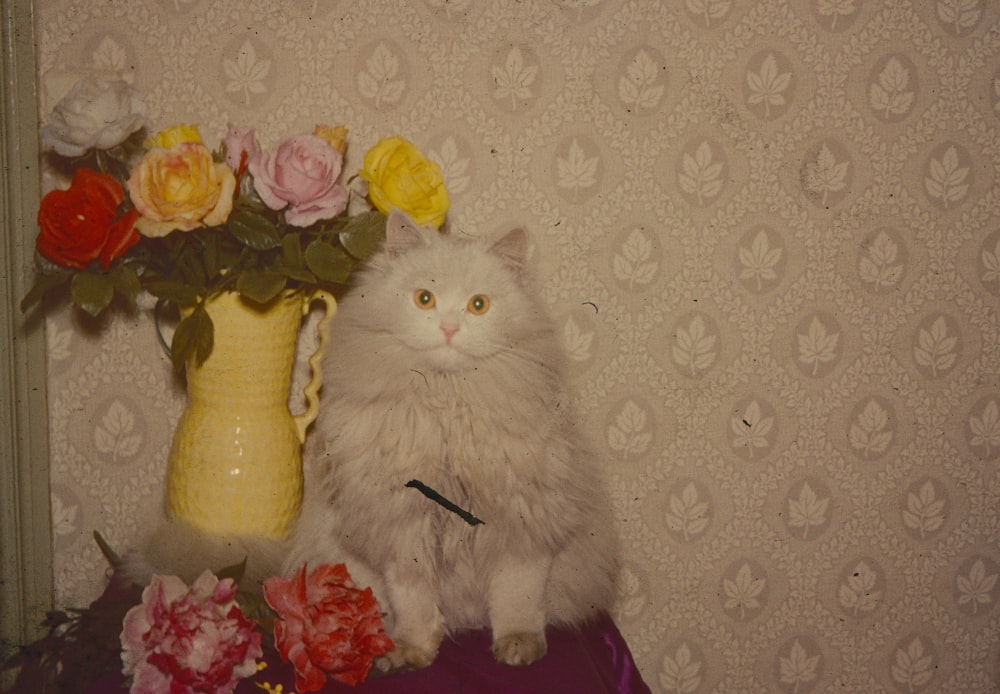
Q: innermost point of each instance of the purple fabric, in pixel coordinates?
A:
(592, 660)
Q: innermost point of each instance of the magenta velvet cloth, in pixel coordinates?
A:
(592, 660)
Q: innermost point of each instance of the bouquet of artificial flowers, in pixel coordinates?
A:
(167, 215)
(206, 638)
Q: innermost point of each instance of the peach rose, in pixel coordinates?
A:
(180, 188)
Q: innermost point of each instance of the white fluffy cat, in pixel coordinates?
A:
(445, 369)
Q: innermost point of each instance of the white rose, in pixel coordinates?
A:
(95, 114)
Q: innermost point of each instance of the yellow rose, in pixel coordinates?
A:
(173, 136)
(399, 176)
(336, 137)
(180, 188)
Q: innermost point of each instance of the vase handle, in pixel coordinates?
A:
(302, 421)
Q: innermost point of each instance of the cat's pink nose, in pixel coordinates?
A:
(449, 330)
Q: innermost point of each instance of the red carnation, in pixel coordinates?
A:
(80, 224)
(326, 626)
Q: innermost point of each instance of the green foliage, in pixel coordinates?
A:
(255, 253)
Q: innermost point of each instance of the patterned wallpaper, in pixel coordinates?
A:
(770, 231)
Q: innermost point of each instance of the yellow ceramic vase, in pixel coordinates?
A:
(236, 462)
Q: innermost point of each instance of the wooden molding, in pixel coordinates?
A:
(25, 525)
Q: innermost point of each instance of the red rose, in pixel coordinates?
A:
(80, 224)
(326, 626)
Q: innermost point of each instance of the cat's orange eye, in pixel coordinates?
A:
(424, 299)
(478, 304)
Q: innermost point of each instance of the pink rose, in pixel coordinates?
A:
(182, 639)
(301, 172)
(240, 144)
(326, 626)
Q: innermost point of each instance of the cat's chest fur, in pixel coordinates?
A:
(468, 436)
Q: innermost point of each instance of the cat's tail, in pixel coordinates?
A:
(178, 548)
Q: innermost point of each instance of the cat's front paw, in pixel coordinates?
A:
(406, 656)
(521, 648)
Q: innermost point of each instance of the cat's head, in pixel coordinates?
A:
(450, 303)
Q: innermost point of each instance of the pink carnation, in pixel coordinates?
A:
(326, 626)
(184, 639)
(301, 172)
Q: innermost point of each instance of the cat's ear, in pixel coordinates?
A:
(512, 249)
(402, 234)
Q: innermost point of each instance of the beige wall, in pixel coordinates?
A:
(772, 232)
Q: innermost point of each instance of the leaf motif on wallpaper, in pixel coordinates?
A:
(709, 10)
(759, 260)
(688, 514)
(935, 348)
(453, 166)
(631, 600)
(638, 88)
(246, 74)
(891, 94)
(633, 264)
(701, 175)
(924, 510)
(799, 667)
(858, 594)
(577, 171)
(976, 588)
(835, 9)
(817, 346)
(58, 342)
(694, 348)
(869, 433)
(991, 264)
(986, 428)
(579, 6)
(63, 517)
(513, 81)
(115, 435)
(110, 56)
(447, 5)
(825, 175)
(681, 674)
(576, 342)
(911, 667)
(751, 429)
(628, 434)
(743, 592)
(378, 81)
(767, 85)
(959, 14)
(878, 266)
(947, 177)
(808, 511)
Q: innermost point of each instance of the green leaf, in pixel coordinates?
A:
(292, 262)
(190, 267)
(364, 234)
(173, 291)
(260, 285)
(42, 286)
(234, 571)
(211, 255)
(109, 554)
(193, 339)
(253, 229)
(126, 282)
(92, 291)
(291, 250)
(329, 263)
(298, 274)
